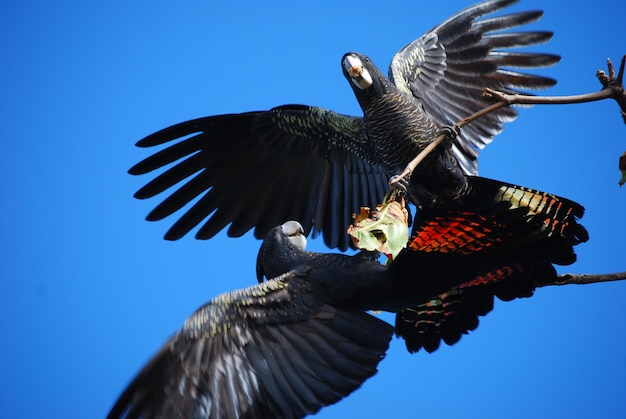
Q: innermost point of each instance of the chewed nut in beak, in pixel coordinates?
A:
(357, 72)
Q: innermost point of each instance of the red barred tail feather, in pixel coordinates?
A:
(500, 241)
(451, 314)
(445, 317)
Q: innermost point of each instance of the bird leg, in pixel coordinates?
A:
(399, 182)
(445, 133)
(450, 131)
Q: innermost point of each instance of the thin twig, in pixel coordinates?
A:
(581, 279)
(519, 99)
(612, 88)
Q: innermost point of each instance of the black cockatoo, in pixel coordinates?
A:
(303, 339)
(257, 169)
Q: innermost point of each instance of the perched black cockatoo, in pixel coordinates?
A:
(311, 164)
(303, 339)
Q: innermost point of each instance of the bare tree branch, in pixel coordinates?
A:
(581, 279)
(612, 88)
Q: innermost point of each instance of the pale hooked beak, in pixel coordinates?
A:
(358, 74)
(295, 233)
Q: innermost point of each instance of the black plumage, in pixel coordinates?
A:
(303, 339)
(257, 169)
(280, 349)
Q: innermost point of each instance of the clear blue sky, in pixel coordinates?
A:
(89, 290)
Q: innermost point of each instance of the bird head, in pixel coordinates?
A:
(280, 249)
(354, 69)
(366, 79)
(295, 234)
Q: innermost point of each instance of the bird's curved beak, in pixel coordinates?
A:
(295, 234)
(358, 74)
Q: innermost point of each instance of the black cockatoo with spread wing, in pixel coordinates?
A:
(304, 339)
(257, 169)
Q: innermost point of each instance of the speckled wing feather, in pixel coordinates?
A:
(258, 169)
(445, 317)
(502, 242)
(272, 350)
(447, 68)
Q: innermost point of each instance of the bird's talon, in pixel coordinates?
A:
(450, 131)
(399, 183)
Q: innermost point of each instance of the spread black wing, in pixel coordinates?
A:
(447, 68)
(259, 169)
(272, 350)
